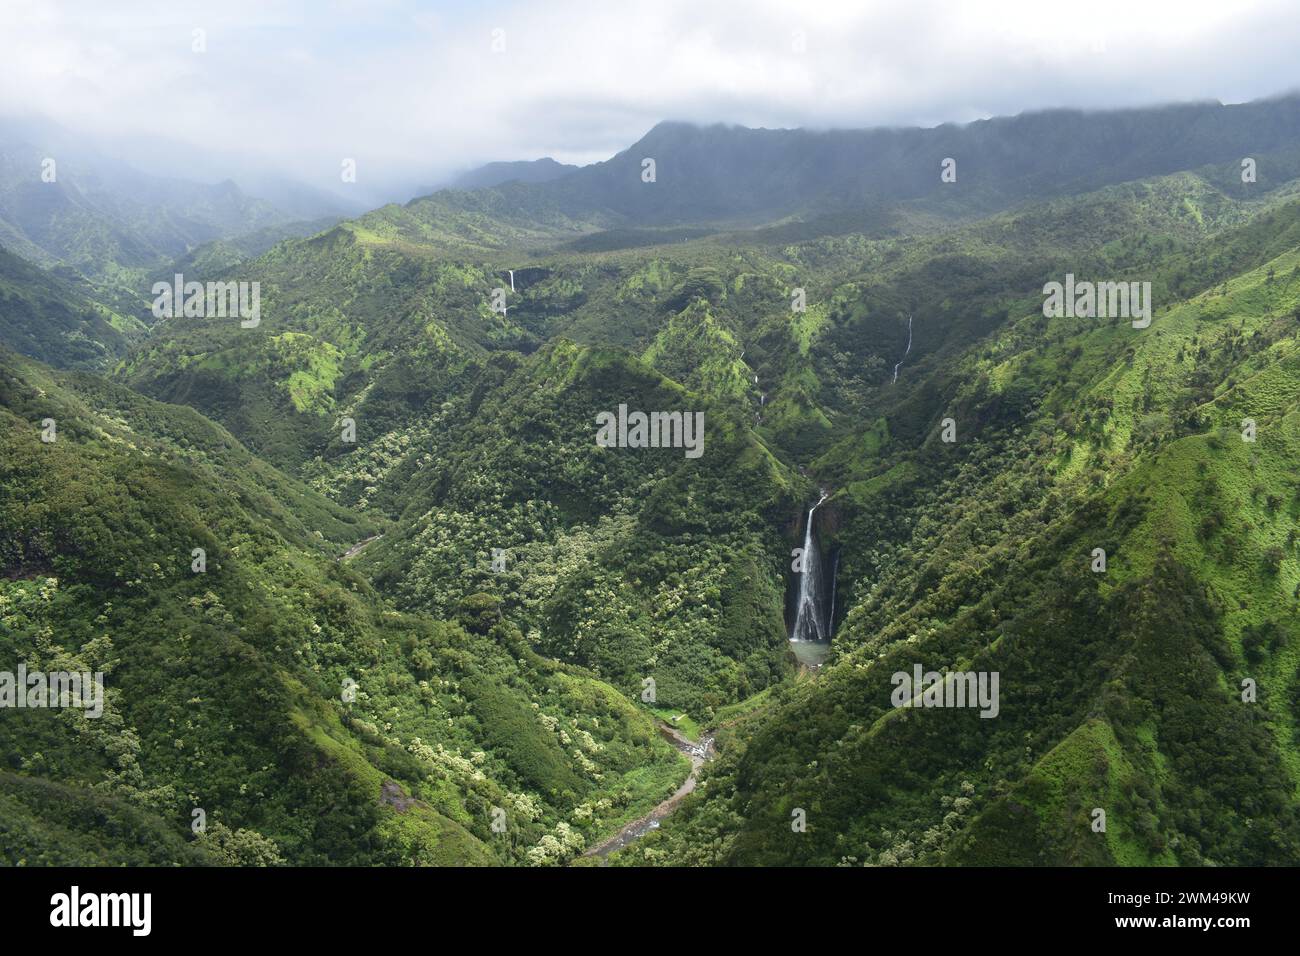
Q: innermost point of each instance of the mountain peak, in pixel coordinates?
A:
(524, 171)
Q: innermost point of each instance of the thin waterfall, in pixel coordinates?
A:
(512, 279)
(809, 623)
(906, 351)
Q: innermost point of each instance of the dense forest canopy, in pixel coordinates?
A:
(365, 586)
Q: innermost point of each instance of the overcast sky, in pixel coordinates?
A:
(414, 91)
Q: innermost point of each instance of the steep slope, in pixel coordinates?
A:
(1160, 690)
(646, 564)
(341, 317)
(45, 316)
(366, 303)
(270, 689)
(468, 448)
(1120, 690)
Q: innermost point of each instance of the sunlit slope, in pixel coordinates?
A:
(381, 320)
(1162, 691)
(642, 563)
(49, 318)
(273, 691)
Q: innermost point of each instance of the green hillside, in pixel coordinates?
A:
(1120, 691)
(223, 688)
(397, 480)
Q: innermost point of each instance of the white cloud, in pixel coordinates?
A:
(413, 90)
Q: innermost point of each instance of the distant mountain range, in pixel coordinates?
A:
(64, 204)
(729, 173)
(523, 171)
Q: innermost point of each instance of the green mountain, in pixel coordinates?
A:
(226, 690)
(1100, 514)
(1163, 691)
(110, 228)
(523, 171)
(49, 318)
(732, 174)
(106, 220)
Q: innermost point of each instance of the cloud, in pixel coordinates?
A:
(414, 91)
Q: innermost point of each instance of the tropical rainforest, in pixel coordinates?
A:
(364, 588)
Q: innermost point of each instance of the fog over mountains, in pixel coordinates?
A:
(365, 585)
(715, 174)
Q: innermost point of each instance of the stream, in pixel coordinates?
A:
(700, 753)
(360, 546)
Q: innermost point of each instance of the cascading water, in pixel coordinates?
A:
(810, 621)
(906, 352)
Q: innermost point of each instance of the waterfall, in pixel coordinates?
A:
(907, 350)
(808, 620)
(512, 279)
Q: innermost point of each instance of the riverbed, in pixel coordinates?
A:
(699, 754)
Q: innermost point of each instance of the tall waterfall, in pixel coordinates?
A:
(810, 622)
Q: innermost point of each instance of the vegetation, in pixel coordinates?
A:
(527, 603)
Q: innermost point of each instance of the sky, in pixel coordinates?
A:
(414, 92)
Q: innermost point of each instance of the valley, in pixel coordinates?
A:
(698, 753)
(740, 445)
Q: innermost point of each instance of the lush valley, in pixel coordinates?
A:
(226, 688)
(426, 379)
